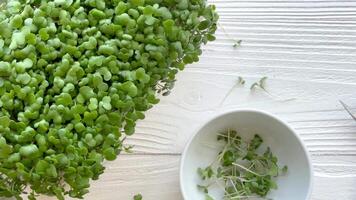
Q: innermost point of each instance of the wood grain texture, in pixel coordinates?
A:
(156, 177)
(307, 48)
(315, 113)
(308, 51)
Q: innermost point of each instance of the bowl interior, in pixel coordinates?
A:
(203, 149)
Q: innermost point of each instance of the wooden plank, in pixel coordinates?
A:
(311, 49)
(307, 48)
(264, 10)
(330, 188)
(324, 125)
(157, 177)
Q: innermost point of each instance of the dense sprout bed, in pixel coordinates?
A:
(76, 75)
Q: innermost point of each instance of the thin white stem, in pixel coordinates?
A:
(246, 169)
(226, 34)
(232, 183)
(276, 97)
(225, 136)
(243, 197)
(228, 93)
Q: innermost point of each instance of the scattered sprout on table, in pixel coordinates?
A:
(260, 84)
(138, 197)
(237, 43)
(240, 81)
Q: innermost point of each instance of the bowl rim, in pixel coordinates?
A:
(256, 111)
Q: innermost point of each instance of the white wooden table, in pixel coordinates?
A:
(307, 48)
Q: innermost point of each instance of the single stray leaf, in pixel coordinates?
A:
(285, 169)
(203, 188)
(241, 80)
(254, 85)
(262, 82)
(237, 43)
(128, 149)
(138, 197)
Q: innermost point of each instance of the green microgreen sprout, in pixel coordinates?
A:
(76, 76)
(138, 197)
(240, 81)
(240, 170)
(261, 84)
(128, 149)
(236, 43)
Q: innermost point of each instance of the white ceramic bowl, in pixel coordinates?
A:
(283, 141)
